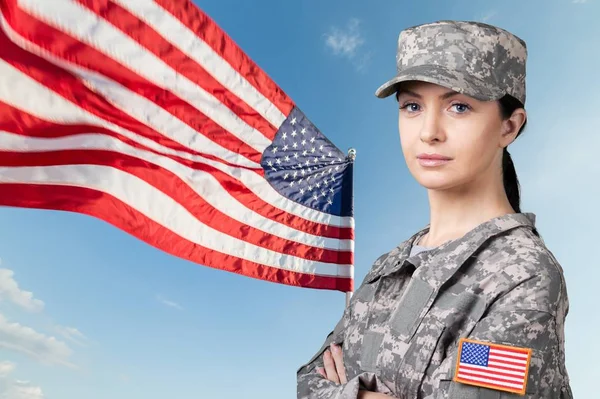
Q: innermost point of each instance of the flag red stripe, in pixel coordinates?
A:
(62, 44)
(507, 368)
(491, 384)
(176, 59)
(513, 350)
(115, 212)
(69, 87)
(174, 187)
(207, 30)
(516, 362)
(19, 122)
(469, 370)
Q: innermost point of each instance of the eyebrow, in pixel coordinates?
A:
(442, 97)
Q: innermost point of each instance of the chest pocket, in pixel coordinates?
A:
(418, 335)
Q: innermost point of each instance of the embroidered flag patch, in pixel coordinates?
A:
(493, 366)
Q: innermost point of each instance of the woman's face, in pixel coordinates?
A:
(450, 140)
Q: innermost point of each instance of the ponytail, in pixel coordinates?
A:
(508, 105)
(511, 181)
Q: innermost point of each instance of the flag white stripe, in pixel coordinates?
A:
(162, 209)
(180, 36)
(138, 107)
(490, 381)
(508, 353)
(499, 370)
(490, 374)
(510, 366)
(89, 28)
(25, 93)
(203, 183)
(507, 359)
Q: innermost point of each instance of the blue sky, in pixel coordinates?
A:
(90, 312)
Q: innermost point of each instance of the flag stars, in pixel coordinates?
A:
(303, 142)
(284, 135)
(285, 147)
(312, 139)
(295, 145)
(303, 131)
(274, 150)
(293, 121)
(287, 158)
(294, 133)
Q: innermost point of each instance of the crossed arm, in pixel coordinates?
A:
(335, 371)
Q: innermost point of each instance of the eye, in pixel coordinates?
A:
(411, 107)
(461, 108)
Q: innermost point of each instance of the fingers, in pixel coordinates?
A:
(338, 360)
(330, 371)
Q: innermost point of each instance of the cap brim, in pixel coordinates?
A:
(440, 75)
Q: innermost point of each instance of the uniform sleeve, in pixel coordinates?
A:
(532, 316)
(311, 385)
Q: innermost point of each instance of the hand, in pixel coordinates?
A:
(334, 365)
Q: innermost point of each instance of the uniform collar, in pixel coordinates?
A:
(449, 256)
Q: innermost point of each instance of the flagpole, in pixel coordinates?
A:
(351, 156)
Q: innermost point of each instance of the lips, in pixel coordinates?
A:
(432, 160)
(436, 157)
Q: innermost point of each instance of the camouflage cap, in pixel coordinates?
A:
(472, 58)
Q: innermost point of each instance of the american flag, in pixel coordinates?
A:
(147, 115)
(493, 366)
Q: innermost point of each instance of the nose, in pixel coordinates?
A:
(431, 129)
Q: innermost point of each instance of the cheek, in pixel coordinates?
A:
(476, 154)
(409, 135)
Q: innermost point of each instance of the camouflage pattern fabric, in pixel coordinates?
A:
(498, 283)
(472, 58)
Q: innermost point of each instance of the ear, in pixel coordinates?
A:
(512, 126)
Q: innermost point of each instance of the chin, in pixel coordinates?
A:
(435, 180)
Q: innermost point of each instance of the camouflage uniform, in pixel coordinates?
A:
(400, 332)
(497, 284)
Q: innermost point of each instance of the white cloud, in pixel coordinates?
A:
(6, 368)
(19, 338)
(72, 334)
(347, 41)
(10, 291)
(168, 302)
(16, 389)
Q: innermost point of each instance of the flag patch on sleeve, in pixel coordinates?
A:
(493, 366)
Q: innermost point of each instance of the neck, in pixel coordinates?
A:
(455, 212)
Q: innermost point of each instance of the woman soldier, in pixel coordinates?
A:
(473, 305)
